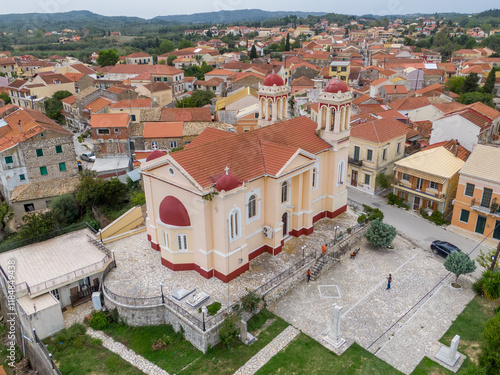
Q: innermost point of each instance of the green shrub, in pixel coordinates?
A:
(477, 287)
(423, 213)
(380, 234)
(65, 209)
(361, 218)
(250, 301)
(459, 263)
(94, 223)
(383, 180)
(376, 214)
(491, 284)
(391, 198)
(437, 217)
(214, 308)
(138, 198)
(228, 331)
(98, 320)
(367, 208)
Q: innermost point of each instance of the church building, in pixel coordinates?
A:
(225, 199)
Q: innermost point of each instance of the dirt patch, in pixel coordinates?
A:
(472, 350)
(437, 372)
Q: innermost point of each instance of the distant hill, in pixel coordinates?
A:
(233, 16)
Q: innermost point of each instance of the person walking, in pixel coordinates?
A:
(323, 250)
(389, 280)
(308, 275)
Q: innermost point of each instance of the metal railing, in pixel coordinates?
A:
(43, 237)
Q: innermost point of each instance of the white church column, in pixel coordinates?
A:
(261, 109)
(342, 117)
(275, 111)
(336, 121)
(320, 118)
(348, 118)
(328, 118)
(267, 109)
(280, 108)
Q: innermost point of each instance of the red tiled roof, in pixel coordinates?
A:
(449, 107)
(138, 54)
(83, 69)
(145, 68)
(209, 135)
(246, 154)
(484, 110)
(32, 122)
(451, 146)
(132, 103)
(407, 104)
(481, 121)
(98, 104)
(302, 81)
(424, 128)
(435, 87)
(395, 89)
(157, 86)
(69, 100)
(49, 79)
(379, 131)
(186, 114)
(110, 120)
(163, 129)
(216, 81)
(220, 72)
(74, 77)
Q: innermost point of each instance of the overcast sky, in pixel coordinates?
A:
(152, 8)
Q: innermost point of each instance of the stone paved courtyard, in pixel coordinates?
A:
(369, 309)
(139, 270)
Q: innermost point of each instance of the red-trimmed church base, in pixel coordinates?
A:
(254, 254)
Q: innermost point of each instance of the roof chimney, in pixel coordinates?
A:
(20, 127)
(457, 147)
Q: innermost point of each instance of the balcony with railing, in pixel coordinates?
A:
(404, 185)
(356, 162)
(488, 208)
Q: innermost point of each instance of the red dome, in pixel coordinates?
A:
(173, 212)
(336, 85)
(227, 183)
(155, 154)
(273, 79)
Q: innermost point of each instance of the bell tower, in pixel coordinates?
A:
(335, 113)
(273, 100)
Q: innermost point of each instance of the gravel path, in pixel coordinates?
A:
(127, 354)
(270, 350)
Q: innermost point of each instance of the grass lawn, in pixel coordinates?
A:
(218, 360)
(469, 326)
(176, 353)
(80, 354)
(180, 357)
(4, 361)
(305, 355)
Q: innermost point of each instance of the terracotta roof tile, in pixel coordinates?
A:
(209, 135)
(484, 110)
(451, 146)
(185, 114)
(379, 131)
(163, 129)
(407, 104)
(110, 120)
(243, 153)
(83, 69)
(98, 104)
(132, 103)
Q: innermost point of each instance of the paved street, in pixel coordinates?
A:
(416, 228)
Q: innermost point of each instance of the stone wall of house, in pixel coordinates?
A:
(50, 159)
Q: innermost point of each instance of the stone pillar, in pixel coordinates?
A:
(243, 331)
(275, 111)
(285, 107)
(454, 348)
(334, 337)
(279, 105)
(348, 120)
(261, 108)
(267, 109)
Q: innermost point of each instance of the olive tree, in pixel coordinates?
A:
(459, 263)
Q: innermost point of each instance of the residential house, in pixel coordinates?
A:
(110, 133)
(33, 148)
(132, 107)
(158, 92)
(374, 147)
(139, 58)
(52, 275)
(186, 114)
(340, 70)
(8, 66)
(216, 85)
(389, 93)
(302, 83)
(428, 179)
(466, 126)
(36, 196)
(477, 203)
(163, 135)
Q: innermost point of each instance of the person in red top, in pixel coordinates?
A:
(308, 275)
(323, 249)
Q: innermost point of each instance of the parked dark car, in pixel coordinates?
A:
(443, 248)
(89, 156)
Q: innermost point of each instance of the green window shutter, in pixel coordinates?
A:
(39, 152)
(62, 167)
(43, 171)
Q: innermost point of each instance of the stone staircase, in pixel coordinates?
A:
(318, 266)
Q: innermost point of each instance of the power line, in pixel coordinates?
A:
(420, 300)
